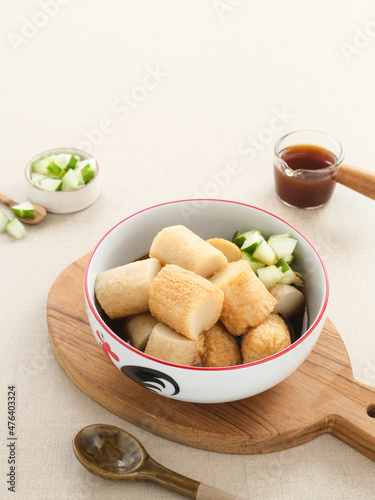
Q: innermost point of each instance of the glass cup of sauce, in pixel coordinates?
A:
(305, 164)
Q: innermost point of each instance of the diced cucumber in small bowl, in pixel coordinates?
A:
(72, 180)
(63, 180)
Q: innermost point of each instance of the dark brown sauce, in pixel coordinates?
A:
(297, 324)
(305, 190)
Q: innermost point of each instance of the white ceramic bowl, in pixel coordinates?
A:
(132, 238)
(64, 202)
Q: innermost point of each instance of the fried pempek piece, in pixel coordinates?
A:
(123, 291)
(185, 301)
(290, 300)
(178, 245)
(168, 345)
(270, 337)
(229, 249)
(220, 348)
(247, 302)
(138, 328)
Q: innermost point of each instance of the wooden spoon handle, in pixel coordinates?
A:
(206, 492)
(153, 471)
(358, 179)
(5, 200)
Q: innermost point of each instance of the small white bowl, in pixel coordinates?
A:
(131, 238)
(63, 202)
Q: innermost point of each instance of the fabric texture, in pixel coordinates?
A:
(177, 100)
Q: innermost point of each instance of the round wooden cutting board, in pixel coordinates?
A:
(321, 396)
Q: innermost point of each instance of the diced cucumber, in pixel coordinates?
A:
(280, 235)
(87, 169)
(282, 246)
(251, 238)
(283, 265)
(254, 264)
(247, 234)
(55, 169)
(51, 184)
(83, 163)
(16, 229)
(289, 277)
(4, 220)
(251, 249)
(288, 274)
(264, 253)
(270, 275)
(41, 166)
(36, 178)
(238, 239)
(24, 209)
(271, 258)
(87, 173)
(72, 180)
(72, 163)
(64, 160)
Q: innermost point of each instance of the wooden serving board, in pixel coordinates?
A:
(321, 396)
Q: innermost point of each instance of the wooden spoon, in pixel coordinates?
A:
(39, 212)
(358, 179)
(112, 453)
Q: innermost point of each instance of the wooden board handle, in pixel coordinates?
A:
(358, 179)
(353, 422)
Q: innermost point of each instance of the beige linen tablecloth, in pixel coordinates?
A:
(165, 94)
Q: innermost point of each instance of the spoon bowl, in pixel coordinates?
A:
(110, 452)
(39, 212)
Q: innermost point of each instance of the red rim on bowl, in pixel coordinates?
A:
(203, 368)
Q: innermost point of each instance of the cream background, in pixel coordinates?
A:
(223, 79)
